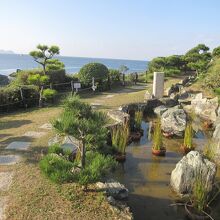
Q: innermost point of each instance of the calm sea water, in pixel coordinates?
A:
(10, 62)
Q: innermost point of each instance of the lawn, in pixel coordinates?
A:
(33, 196)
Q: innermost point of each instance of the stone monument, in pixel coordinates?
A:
(158, 85)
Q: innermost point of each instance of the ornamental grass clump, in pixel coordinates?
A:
(120, 137)
(188, 137)
(157, 136)
(138, 119)
(209, 150)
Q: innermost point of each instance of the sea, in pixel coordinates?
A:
(9, 63)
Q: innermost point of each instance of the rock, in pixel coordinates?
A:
(183, 176)
(114, 189)
(168, 102)
(184, 81)
(173, 121)
(119, 116)
(216, 133)
(205, 108)
(160, 110)
(111, 200)
(174, 96)
(4, 80)
(218, 111)
(168, 91)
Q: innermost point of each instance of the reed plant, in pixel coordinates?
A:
(209, 150)
(188, 136)
(138, 119)
(200, 193)
(120, 136)
(157, 136)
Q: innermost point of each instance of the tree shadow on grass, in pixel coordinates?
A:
(5, 124)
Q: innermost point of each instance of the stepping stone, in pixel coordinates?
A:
(34, 134)
(96, 104)
(109, 96)
(3, 205)
(9, 159)
(47, 126)
(5, 180)
(18, 145)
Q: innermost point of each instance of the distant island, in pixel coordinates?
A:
(6, 52)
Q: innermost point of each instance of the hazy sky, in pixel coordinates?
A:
(133, 29)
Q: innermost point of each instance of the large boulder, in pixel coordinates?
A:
(205, 108)
(160, 110)
(173, 121)
(183, 176)
(118, 116)
(4, 80)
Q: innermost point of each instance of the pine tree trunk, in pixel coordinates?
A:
(83, 153)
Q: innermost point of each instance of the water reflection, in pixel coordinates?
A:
(147, 177)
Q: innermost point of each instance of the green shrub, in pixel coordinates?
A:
(97, 167)
(172, 72)
(58, 76)
(188, 136)
(120, 136)
(217, 91)
(49, 93)
(11, 94)
(114, 75)
(97, 70)
(157, 136)
(56, 149)
(212, 78)
(56, 168)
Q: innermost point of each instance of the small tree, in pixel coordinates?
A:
(123, 69)
(78, 120)
(44, 54)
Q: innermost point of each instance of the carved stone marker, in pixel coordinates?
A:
(158, 85)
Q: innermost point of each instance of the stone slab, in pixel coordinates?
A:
(34, 134)
(109, 96)
(9, 159)
(47, 126)
(158, 84)
(5, 180)
(18, 145)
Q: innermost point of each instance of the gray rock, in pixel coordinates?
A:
(118, 116)
(147, 96)
(173, 121)
(205, 108)
(160, 110)
(114, 189)
(168, 102)
(4, 80)
(183, 176)
(216, 133)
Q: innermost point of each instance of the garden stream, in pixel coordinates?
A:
(147, 177)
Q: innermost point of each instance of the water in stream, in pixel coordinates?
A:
(147, 177)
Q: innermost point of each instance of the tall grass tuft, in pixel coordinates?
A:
(138, 119)
(120, 136)
(209, 150)
(157, 136)
(188, 136)
(200, 192)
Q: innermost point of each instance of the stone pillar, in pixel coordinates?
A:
(158, 85)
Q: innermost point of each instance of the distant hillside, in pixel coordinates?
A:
(6, 52)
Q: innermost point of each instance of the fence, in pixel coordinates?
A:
(62, 88)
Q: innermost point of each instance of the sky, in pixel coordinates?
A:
(127, 29)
